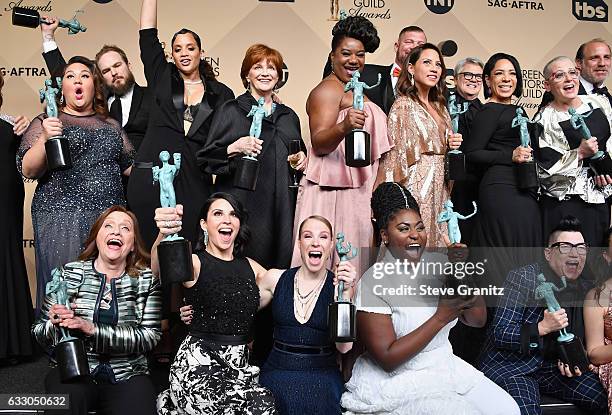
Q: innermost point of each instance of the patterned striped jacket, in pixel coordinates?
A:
(137, 329)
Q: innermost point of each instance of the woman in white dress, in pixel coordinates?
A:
(409, 367)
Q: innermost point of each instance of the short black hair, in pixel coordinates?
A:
(244, 234)
(488, 68)
(356, 27)
(388, 199)
(566, 224)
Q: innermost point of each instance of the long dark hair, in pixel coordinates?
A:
(406, 86)
(136, 261)
(244, 233)
(206, 69)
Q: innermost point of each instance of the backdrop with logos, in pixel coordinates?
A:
(533, 31)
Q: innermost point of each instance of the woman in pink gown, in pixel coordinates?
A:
(330, 188)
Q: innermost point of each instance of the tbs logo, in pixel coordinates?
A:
(590, 10)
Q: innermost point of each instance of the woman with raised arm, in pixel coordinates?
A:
(66, 203)
(303, 363)
(329, 184)
(409, 366)
(186, 96)
(211, 373)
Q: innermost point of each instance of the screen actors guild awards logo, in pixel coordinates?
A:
(439, 6)
(590, 10)
(370, 9)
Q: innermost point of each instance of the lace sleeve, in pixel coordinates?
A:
(30, 137)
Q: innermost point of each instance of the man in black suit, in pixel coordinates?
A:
(383, 95)
(593, 61)
(128, 102)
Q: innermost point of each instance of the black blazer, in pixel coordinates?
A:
(137, 123)
(382, 95)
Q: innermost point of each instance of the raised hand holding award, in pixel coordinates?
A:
(600, 162)
(247, 167)
(357, 144)
(526, 172)
(571, 350)
(174, 251)
(57, 149)
(31, 18)
(341, 313)
(69, 351)
(455, 159)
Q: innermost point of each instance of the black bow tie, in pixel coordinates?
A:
(601, 90)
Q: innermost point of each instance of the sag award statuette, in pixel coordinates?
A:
(451, 218)
(357, 150)
(571, 350)
(69, 351)
(247, 167)
(600, 162)
(174, 251)
(527, 172)
(455, 159)
(341, 313)
(31, 18)
(57, 149)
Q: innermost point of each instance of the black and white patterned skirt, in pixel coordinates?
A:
(206, 378)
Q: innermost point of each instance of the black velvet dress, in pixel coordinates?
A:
(15, 301)
(166, 131)
(508, 217)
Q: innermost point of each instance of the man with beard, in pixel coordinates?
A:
(384, 95)
(593, 61)
(521, 353)
(128, 102)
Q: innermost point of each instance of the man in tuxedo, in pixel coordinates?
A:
(593, 61)
(128, 102)
(384, 94)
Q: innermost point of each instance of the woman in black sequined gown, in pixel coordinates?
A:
(66, 203)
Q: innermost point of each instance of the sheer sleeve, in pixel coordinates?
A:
(126, 157)
(30, 137)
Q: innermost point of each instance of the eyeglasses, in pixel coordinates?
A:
(561, 75)
(566, 247)
(477, 77)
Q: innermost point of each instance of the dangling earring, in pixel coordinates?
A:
(275, 89)
(205, 237)
(248, 88)
(62, 100)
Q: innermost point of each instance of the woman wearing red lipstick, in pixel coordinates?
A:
(116, 310)
(329, 185)
(419, 125)
(66, 203)
(567, 186)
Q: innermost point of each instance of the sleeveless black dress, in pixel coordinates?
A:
(211, 373)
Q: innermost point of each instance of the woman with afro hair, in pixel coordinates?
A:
(330, 188)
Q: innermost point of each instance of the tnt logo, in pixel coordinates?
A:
(590, 10)
(439, 6)
(284, 77)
